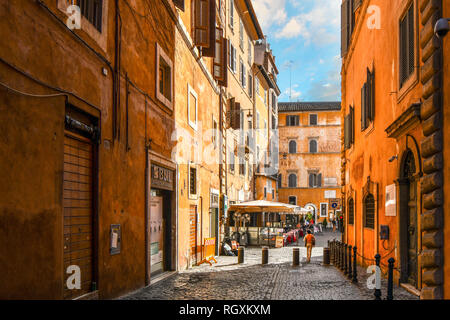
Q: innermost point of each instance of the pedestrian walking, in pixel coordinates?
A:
(310, 242)
(334, 225)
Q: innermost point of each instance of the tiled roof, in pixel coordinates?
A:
(309, 106)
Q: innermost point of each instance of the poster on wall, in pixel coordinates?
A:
(156, 233)
(329, 194)
(391, 201)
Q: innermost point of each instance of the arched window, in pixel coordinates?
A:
(292, 146)
(369, 211)
(312, 146)
(292, 180)
(351, 211)
(293, 200)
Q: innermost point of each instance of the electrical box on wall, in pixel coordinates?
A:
(384, 232)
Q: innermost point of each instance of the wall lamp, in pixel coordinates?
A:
(442, 27)
(393, 158)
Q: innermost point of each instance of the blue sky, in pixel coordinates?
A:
(304, 34)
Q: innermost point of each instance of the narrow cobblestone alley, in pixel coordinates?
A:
(277, 280)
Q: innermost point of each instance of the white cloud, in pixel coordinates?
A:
(270, 12)
(320, 24)
(294, 94)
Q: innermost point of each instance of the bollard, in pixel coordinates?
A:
(355, 276)
(349, 273)
(390, 290)
(345, 258)
(326, 256)
(295, 257)
(377, 292)
(341, 261)
(265, 255)
(241, 255)
(338, 254)
(331, 252)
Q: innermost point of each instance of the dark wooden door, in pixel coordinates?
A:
(78, 212)
(412, 234)
(409, 172)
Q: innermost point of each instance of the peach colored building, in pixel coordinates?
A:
(309, 143)
(395, 88)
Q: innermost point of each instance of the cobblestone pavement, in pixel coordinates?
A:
(277, 280)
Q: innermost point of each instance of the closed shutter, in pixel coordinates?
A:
(210, 51)
(237, 116)
(221, 53)
(411, 42)
(319, 180)
(344, 27)
(179, 4)
(193, 233)
(78, 212)
(347, 132)
(363, 107)
(201, 23)
(372, 95)
(352, 125)
(230, 113)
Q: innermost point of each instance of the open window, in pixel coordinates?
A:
(164, 78)
(205, 26)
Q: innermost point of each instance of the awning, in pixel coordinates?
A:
(265, 206)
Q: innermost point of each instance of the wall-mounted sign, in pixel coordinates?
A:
(162, 178)
(335, 203)
(116, 239)
(390, 204)
(329, 194)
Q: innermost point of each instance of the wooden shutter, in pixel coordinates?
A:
(230, 113)
(201, 23)
(210, 51)
(344, 27)
(179, 4)
(411, 42)
(352, 125)
(236, 116)
(363, 107)
(220, 59)
(319, 180)
(371, 86)
(347, 132)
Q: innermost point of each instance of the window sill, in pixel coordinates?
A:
(407, 86)
(369, 129)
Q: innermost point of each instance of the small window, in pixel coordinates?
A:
(164, 81)
(292, 121)
(313, 119)
(324, 210)
(407, 45)
(231, 14)
(351, 211)
(292, 146)
(192, 181)
(92, 11)
(293, 200)
(315, 180)
(313, 146)
(192, 107)
(292, 180)
(369, 211)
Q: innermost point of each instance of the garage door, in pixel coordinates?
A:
(78, 212)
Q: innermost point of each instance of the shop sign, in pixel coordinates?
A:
(162, 178)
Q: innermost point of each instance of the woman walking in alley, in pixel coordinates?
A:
(309, 241)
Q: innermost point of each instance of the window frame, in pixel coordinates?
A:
(317, 119)
(351, 214)
(289, 146)
(326, 210)
(317, 146)
(289, 200)
(161, 54)
(289, 180)
(365, 216)
(191, 90)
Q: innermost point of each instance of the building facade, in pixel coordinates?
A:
(394, 88)
(121, 122)
(310, 141)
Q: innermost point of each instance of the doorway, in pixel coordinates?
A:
(408, 220)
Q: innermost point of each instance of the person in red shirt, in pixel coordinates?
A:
(309, 241)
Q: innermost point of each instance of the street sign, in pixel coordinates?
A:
(335, 203)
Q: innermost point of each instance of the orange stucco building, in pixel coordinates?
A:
(309, 143)
(394, 90)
